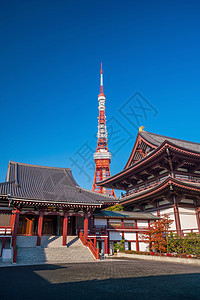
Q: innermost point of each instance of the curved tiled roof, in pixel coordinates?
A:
(157, 140)
(125, 214)
(47, 184)
(150, 191)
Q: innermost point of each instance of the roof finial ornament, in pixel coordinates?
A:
(141, 128)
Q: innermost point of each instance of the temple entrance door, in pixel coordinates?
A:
(100, 245)
(71, 225)
(26, 225)
(50, 225)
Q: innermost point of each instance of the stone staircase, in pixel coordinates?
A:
(51, 250)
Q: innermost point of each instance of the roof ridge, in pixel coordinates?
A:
(38, 166)
(172, 138)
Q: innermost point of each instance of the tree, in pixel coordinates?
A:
(157, 234)
(117, 207)
(119, 246)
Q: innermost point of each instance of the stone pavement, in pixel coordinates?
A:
(133, 279)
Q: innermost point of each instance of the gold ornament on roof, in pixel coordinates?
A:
(141, 128)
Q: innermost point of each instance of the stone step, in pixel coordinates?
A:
(46, 241)
(76, 252)
(35, 255)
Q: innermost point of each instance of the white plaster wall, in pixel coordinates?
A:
(133, 246)
(129, 236)
(167, 211)
(187, 218)
(100, 222)
(142, 223)
(143, 246)
(170, 213)
(115, 236)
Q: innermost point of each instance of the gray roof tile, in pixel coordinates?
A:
(47, 184)
(157, 140)
(125, 214)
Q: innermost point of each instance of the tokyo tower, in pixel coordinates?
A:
(102, 156)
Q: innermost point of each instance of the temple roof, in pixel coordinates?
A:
(125, 215)
(168, 186)
(157, 140)
(47, 184)
(149, 147)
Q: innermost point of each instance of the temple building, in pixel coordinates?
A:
(39, 204)
(162, 176)
(39, 200)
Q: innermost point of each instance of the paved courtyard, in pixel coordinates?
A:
(130, 279)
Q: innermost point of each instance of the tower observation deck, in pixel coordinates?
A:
(102, 156)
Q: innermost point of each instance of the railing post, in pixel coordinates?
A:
(85, 228)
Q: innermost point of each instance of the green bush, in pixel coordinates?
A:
(189, 244)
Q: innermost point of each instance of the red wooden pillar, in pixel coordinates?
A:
(12, 220)
(122, 221)
(177, 219)
(14, 235)
(95, 241)
(85, 228)
(107, 233)
(65, 223)
(39, 231)
(198, 219)
(76, 224)
(30, 227)
(106, 245)
(137, 241)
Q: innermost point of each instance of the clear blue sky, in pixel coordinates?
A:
(50, 59)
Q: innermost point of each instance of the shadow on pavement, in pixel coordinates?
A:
(96, 281)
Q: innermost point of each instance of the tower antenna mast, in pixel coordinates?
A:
(102, 156)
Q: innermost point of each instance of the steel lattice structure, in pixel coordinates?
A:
(102, 156)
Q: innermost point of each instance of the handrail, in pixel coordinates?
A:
(81, 236)
(93, 249)
(90, 245)
(186, 231)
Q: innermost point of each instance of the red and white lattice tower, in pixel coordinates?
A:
(102, 156)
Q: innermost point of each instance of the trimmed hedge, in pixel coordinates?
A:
(187, 245)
